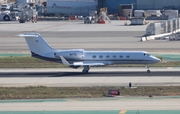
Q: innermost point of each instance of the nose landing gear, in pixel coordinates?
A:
(148, 71)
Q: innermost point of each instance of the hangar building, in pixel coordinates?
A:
(158, 4)
(113, 5)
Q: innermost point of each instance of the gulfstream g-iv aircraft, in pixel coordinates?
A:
(78, 57)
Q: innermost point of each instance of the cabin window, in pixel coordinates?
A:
(93, 56)
(114, 56)
(100, 56)
(107, 57)
(121, 56)
(127, 56)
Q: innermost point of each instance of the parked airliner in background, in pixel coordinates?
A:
(78, 57)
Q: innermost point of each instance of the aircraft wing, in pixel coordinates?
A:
(88, 64)
(65, 62)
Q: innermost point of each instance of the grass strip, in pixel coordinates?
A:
(30, 62)
(42, 92)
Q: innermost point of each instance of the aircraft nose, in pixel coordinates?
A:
(156, 59)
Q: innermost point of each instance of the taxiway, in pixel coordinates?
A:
(76, 35)
(93, 104)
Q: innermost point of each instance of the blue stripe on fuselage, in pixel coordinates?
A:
(45, 58)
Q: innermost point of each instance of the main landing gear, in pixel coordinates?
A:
(148, 71)
(85, 70)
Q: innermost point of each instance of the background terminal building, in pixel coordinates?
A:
(113, 5)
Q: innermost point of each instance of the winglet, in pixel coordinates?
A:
(64, 61)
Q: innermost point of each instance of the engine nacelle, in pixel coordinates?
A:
(71, 54)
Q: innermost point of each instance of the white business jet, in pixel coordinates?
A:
(78, 57)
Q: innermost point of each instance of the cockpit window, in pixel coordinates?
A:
(146, 54)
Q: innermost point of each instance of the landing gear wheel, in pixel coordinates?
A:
(148, 71)
(6, 18)
(85, 71)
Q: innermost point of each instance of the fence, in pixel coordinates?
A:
(168, 26)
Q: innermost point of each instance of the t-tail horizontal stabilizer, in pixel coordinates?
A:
(28, 35)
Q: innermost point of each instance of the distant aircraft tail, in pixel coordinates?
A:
(36, 43)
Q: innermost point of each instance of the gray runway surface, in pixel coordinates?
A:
(96, 77)
(70, 35)
(76, 34)
(91, 74)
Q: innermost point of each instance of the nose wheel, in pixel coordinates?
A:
(148, 71)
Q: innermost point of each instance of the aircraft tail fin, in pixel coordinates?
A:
(36, 43)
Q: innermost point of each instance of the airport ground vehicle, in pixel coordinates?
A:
(5, 16)
(89, 19)
(5, 7)
(26, 11)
